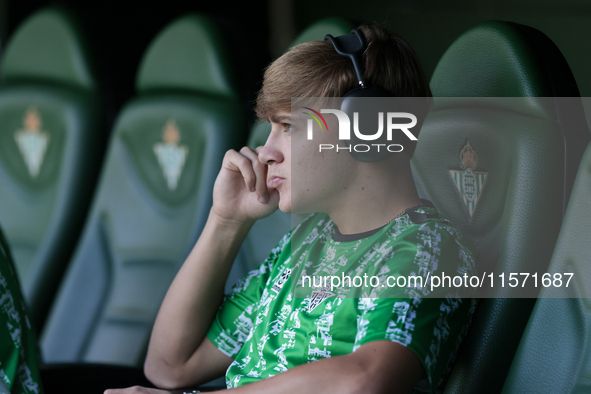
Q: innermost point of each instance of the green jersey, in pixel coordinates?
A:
(18, 353)
(274, 319)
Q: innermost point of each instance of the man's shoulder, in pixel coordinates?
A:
(430, 244)
(432, 229)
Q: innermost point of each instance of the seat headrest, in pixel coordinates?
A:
(503, 59)
(187, 55)
(48, 47)
(319, 29)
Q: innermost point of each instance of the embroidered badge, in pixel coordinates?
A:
(32, 141)
(469, 182)
(171, 155)
(318, 296)
(281, 281)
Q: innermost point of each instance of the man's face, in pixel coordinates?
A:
(307, 180)
(276, 154)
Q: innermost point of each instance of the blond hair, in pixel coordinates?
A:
(315, 69)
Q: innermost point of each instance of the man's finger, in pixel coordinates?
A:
(235, 161)
(260, 171)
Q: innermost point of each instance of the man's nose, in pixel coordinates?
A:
(271, 151)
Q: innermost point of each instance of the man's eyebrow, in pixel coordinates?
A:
(281, 119)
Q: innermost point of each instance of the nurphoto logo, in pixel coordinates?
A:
(345, 130)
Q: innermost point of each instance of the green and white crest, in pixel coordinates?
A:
(171, 155)
(32, 142)
(469, 182)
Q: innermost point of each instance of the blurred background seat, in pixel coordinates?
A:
(521, 150)
(266, 233)
(50, 149)
(554, 353)
(153, 198)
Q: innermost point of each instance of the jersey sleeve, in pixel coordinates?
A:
(431, 325)
(432, 328)
(233, 321)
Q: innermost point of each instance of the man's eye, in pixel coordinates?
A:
(287, 126)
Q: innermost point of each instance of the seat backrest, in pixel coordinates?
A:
(265, 233)
(512, 150)
(50, 139)
(554, 354)
(153, 197)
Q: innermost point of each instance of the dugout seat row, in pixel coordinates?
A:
(153, 198)
(141, 228)
(507, 122)
(154, 190)
(50, 149)
(155, 186)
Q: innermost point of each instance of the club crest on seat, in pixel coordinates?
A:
(32, 142)
(171, 155)
(468, 181)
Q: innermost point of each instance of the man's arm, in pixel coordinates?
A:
(179, 355)
(375, 368)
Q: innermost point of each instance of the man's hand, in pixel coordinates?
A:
(240, 191)
(137, 390)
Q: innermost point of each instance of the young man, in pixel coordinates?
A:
(271, 336)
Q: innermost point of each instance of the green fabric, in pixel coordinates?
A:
(18, 352)
(205, 65)
(48, 47)
(267, 330)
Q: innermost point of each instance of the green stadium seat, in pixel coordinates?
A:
(50, 139)
(522, 154)
(319, 29)
(153, 198)
(553, 355)
(265, 233)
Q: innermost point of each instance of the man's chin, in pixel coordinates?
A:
(284, 207)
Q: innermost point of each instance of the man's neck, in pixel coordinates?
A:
(374, 198)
